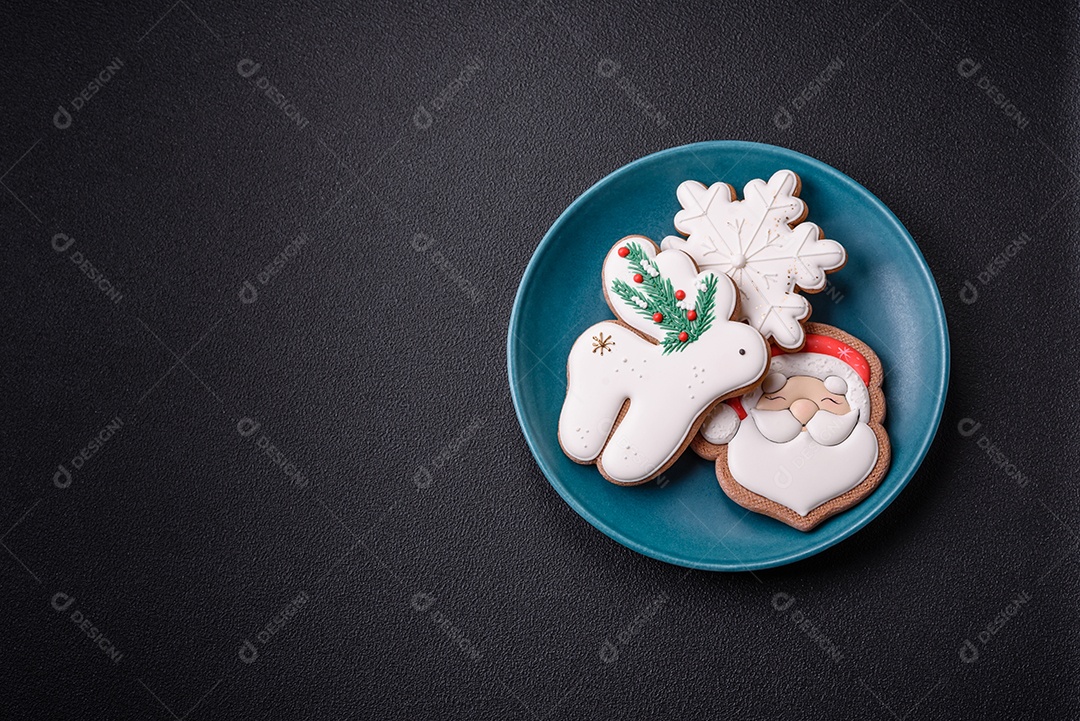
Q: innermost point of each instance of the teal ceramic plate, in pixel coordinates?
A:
(885, 296)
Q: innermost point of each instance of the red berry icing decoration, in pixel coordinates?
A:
(691, 315)
(683, 337)
(624, 251)
(638, 278)
(679, 295)
(658, 317)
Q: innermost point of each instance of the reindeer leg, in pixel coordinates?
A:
(598, 384)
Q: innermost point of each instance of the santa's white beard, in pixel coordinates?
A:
(800, 473)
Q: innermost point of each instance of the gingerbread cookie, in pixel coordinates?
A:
(639, 387)
(761, 243)
(808, 443)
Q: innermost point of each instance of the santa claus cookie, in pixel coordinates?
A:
(639, 387)
(761, 243)
(808, 443)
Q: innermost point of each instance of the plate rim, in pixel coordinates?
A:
(878, 502)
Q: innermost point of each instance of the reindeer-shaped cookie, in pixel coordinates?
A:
(639, 387)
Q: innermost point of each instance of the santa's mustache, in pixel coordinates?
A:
(828, 429)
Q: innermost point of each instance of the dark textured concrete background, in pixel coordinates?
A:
(212, 217)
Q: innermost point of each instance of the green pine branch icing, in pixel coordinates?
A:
(657, 295)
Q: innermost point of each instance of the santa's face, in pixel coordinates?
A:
(802, 444)
(801, 404)
(803, 396)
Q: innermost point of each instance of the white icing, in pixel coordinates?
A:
(751, 241)
(720, 425)
(667, 392)
(830, 429)
(777, 426)
(836, 384)
(800, 474)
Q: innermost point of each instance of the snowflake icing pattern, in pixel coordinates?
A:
(752, 241)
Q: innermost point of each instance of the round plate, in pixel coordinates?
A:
(885, 296)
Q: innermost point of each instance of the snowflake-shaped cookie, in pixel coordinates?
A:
(753, 242)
